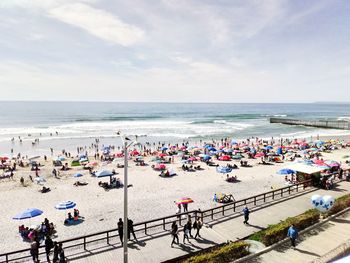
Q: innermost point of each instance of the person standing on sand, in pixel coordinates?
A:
(120, 230)
(293, 235)
(185, 206)
(246, 213)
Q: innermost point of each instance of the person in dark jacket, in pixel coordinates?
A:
(48, 246)
(174, 233)
(246, 213)
(120, 230)
(131, 229)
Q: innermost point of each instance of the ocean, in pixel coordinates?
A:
(79, 123)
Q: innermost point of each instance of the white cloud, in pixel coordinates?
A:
(98, 23)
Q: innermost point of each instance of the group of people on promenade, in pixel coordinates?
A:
(50, 246)
(130, 230)
(187, 230)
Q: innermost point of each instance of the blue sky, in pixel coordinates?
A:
(175, 50)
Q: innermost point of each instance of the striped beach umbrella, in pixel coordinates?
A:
(65, 205)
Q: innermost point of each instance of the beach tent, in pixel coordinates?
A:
(306, 169)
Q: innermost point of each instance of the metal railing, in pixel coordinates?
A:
(164, 222)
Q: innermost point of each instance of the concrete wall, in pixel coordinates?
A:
(344, 125)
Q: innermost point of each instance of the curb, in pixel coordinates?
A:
(323, 221)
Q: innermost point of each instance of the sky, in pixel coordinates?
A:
(175, 50)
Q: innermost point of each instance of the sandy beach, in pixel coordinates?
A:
(150, 196)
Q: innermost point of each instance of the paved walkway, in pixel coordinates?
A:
(156, 247)
(312, 244)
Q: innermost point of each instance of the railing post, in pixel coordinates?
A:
(234, 207)
(273, 195)
(264, 198)
(84, 243)
(297, 187)
(254, 200)
(108, 238)
(163, 224)
(180, 220)
(7, 258)
(223, 210)
(245, 201)
(289, 190)
(212, 214)
(145, 228)
(282, 192)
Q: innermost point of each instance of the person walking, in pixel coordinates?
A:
(246, 213)
(120, 230)
(61, 253)
(189, 226)
(174, 233)
(34, 251)
(293, 235)
(55, 252)
(185, 207)
(197, 225)
(48, 247)
(186, 232)
(131, 229)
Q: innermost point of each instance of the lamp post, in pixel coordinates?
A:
(126, 144)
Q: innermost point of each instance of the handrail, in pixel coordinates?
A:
(163, 220)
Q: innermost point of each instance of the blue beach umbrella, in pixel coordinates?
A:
(223, 169)
(268, 147)
(29, 213)
(286, 171)
(65, 205)
(233, 142)
(78, 175)
(164, 148)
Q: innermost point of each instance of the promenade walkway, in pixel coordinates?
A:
(156, 247)
(311, 245)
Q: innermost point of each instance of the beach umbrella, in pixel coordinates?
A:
(160, 166)
(3, 158)
(286, 171)
(65, 205)
(268, 147)
(134, 153)
(233, 142)
(29, 213)
(223, 169)
(61, 158)
(164, 148)
(39, 180)
(225, 158)
(192, 159)
(162, 154)
(91, 164)
(332, 163)
(103, 173)
(78, 175)
(237, 156)
(260, 154)
(184, 200)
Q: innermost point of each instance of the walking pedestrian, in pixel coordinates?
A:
(174, 233)
(197, 225)
(131, 229)
(120, 230)
(34, 251)
(48, 247)
(293, 235)
(186, 232)
(189, 226)
(246, 213)
(62, 257)
(55, 252)
(185, 206)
